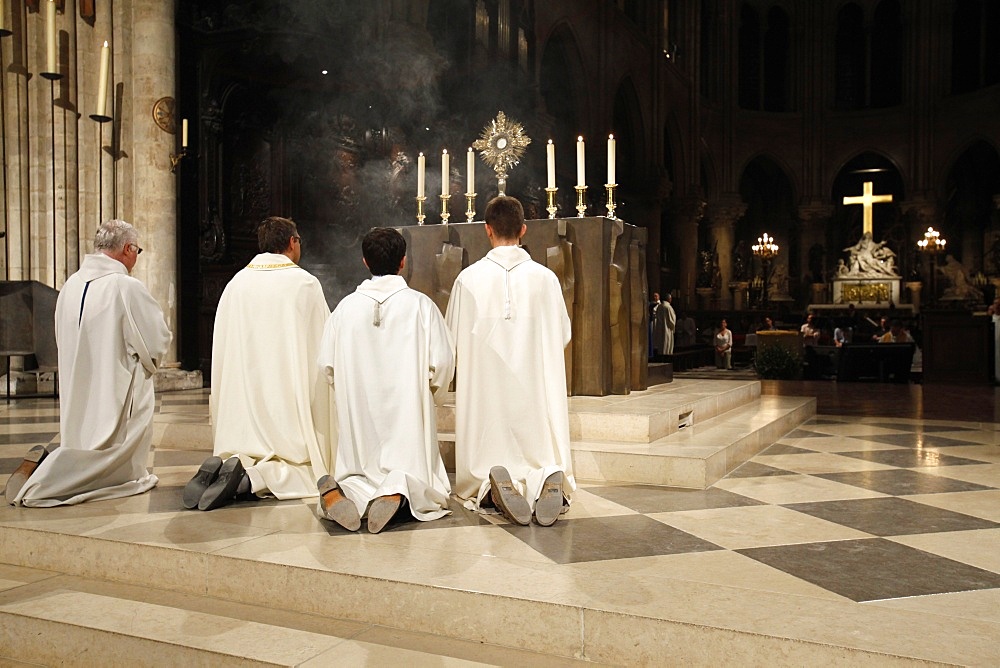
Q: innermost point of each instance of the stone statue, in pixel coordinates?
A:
(741, 260)
(961, 288)
(869, 258)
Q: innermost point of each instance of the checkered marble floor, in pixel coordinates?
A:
(880, 532)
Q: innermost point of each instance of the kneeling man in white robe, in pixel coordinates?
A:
(111, 336)
(386, 351)
(510, 325)
(270, 406)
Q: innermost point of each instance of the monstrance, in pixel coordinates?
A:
(502, 144)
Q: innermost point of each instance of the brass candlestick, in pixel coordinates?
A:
(581, 201)
(611, 199)
(470, 206)
(420, 209)
(550, 195)
(444, 209)
(175, 158)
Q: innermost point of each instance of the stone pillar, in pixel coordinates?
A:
(722, 216)
(685, 212)
(815, 216)
(739, 290)
(146, 51)
(914, 287)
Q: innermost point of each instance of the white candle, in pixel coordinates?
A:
(50, 36)
(102, 81)
(445, 173)
(2, 22)
(581, 170)
(611, 160)
(184, 133)
(420, 175)
(470, 168)
(550, 162)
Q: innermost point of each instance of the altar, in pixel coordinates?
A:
(601, 265)
(877, 290)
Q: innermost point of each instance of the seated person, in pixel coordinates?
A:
(896, 333)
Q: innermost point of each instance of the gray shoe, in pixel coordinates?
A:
(506, 497)
(334, 506)
(549, 505)
(202, 480)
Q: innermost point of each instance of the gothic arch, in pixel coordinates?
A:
(628, 128)
(970, 215)
(563, 84)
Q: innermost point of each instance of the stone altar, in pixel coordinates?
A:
(601, 263)
(869, 275)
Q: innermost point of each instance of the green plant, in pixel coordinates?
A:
(776, 362)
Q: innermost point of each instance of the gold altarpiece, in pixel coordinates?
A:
(601, 264)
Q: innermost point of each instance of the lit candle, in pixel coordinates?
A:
(420, 175)
(470, 168)
(184, 133)
(50, 36)
(550, 160)
(611, 160)
(2, 23)
(102, 81)
(581, 170)
(445, 173)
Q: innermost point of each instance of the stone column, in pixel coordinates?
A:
(146, 50)
(685, 212)
(914, 287)
(722, 216)
(815, 216)
(739, 290)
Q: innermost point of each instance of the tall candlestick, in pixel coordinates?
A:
(102, 81)
(445, 173)
(611, 159)
(420, 175)
(184, 133)
(3, 24)
(581, 169)
(550, 161)
(470, 168)
(50, 36)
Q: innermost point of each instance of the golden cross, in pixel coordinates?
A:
(867, 199)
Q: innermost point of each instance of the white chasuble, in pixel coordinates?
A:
(270, 406)
(510, 326)
(111, 336)
(386, 351)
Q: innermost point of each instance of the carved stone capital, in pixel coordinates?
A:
(687, 209)
(725, 211)
(924, 212)
(815, 212)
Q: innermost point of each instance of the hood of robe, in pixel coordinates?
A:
(268, 261)
(378, 289)
(508, 257)
(97, 265)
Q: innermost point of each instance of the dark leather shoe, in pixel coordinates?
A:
(334, 506)
(201, 481)
(550, 503)
(21, 474)
(383, 509)
(506, 497)
(223, 490)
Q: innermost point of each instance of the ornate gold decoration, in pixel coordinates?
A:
(501, 146)
(163, 115)
(866, 292)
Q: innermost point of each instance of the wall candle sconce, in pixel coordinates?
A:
(175, 158)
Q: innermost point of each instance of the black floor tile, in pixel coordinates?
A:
(906, 458)
(571, 541)
(649, 499)
(902, 482)
(918, 440)
(917, 428)
(890, 516)
(874, 569)
(756, 470)
(31, 419)
(31, 438)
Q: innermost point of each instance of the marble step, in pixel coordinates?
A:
(55, 619)
(326, 606)
(699, 455)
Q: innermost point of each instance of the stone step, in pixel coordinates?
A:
(640, 417)
(699, 455)
(311, 602)
(55, 619)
